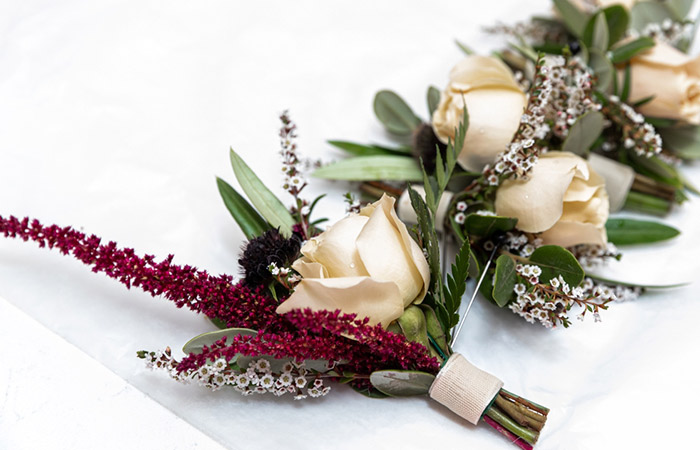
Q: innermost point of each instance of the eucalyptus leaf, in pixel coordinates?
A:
(574, 19)
(596, 35)
(371, 393)
(583, 133)
(684, 141)
(679, 8)
(554, 261)
(478, 225)
(197, 343)
(504, 280)
(433, 99)
(394, 113)
(402, 383)
(247, 218)
(276, 365)
(368, 150)
(644, 13)
(374, 167)
(632, 231)
(629, 50)
(267, 204)
(602, 67)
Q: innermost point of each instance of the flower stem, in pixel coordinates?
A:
(647, 203)
(511, 437)
(509, 424)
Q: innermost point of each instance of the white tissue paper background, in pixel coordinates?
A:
(115, 118)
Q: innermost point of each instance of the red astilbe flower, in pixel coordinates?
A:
(215, 296)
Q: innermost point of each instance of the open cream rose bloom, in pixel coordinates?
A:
(672, 77)
(366, 264)
(495, 104)
(562, 198)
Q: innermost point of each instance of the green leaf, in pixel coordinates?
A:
(375, 167)
(504, 280)
(368, 150)
(583, 133)
(574, 19)
(433, 99)
(464, 47)
(631, 49)
(402, 383)
(196, 344)
(261, 197)
(627, 83)
(617, 20)
(478, 225)
(457, 282)
(631, 231)
(602, 67)
(430, 242)
(434, 327)
(624, 283)
(679, 8)
(596, 35)
(247, 218)
(684, 141)
(395, 113)
(644, 13)
(554, 261)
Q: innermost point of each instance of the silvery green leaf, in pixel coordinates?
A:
(368, 150)
(684, 141)
(478, 225)
(464, 47)
(596, 34)
(554, 261)
(679, 8)
(504, 280)
(394, 113)
(583, 133)
(574, 19)
(276, 365)
(267, 204)
(375, 167)
(433, 99)
(196, 344)
(402, 383)
(644, 13)
(632, 231)
(602, 67)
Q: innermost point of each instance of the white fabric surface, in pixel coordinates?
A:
(115, 117)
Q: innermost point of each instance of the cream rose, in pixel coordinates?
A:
(495, 104)
(562, 198)
(366, 264)
(672, 77)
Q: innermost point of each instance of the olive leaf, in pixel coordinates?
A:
(583, 133)
(632, 231)
(596, 35)
(602, 67)
(504, 280)
(368, 150)
(247, 218)
(644, 13)
(617, 19)
(394, 113)
(629, 50)
(402, 383)
(372, 167)
(574, 19)
(683, 141)
(433, 98)
(267, 204)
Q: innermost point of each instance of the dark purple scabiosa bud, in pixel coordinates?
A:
(263, 251)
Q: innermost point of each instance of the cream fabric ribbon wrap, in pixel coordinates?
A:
(464, 388)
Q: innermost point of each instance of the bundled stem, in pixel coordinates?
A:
(518, 419)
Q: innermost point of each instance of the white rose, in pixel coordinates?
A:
(672, 77)
(366, 264)
(495, 104)
(562, 198)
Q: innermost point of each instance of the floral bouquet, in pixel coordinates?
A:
(562, 128)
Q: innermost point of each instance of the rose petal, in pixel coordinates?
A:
(538, 201)
(477, 71)
(387, 256)
(309, 269)
(568, 234)
(335, 248)
(364, 296)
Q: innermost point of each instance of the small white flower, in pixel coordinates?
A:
(300, 382)
(460, 217)
(461, 206)
(267, 381)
